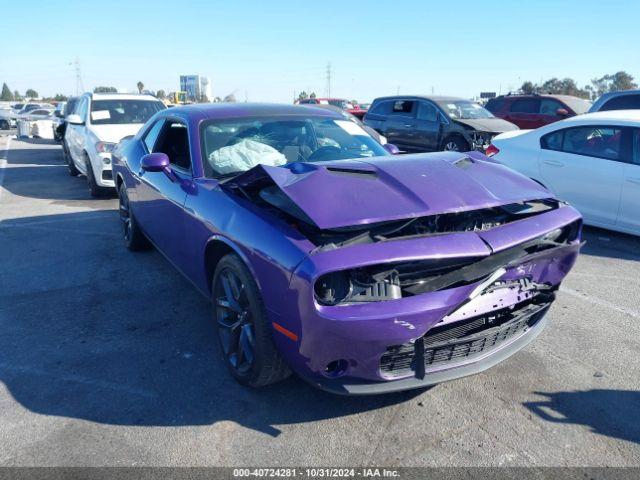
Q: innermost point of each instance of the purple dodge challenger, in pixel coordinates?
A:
(325, 255)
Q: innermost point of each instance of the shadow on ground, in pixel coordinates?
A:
(607, 243)
(613, 413)
(93, 331)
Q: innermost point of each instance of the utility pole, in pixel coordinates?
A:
(328, 88)
(76, 67)
(398, 90)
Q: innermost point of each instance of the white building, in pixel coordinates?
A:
(196, 87)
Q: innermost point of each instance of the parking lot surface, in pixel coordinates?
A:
(109, 358)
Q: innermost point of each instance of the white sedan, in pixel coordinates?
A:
(592, 161)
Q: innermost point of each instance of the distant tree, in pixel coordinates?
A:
(140, 86)
(16, 95)
(161, 94)
(6, 93)
(313, 95)
(303, 95)
(354, 102)
(31, 93)
(60, 98)
(622, 81)
(528, 88)
(231, 98)
(105, 90)
(217, 100)
(565, 86)
(611, 83)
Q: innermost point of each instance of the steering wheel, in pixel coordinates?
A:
(326, 153)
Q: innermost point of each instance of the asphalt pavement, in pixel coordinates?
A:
(109, 358)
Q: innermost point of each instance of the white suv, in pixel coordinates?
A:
(97, 124)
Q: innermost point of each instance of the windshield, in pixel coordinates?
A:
(234, 146)
(108, 112)
(464, 109)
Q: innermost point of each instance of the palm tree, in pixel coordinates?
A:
(140, 87)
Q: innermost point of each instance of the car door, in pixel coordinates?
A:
(427, 129)
(524, 113)
(549, 111)
(629, 215)
(584, 166)
(400, 124)
(160, 199)
(75, 135)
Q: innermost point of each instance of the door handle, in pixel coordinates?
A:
(634, 180)
(555, 163)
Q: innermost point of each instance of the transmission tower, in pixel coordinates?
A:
(76, 67)
(328, 87)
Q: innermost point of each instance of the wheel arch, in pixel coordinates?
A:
(455, 134)
(217, 247)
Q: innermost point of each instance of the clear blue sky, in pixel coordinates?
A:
(271, 48)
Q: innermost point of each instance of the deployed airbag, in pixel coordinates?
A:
(244, 155)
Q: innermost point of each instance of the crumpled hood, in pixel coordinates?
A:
(358, 192)
(497, 125)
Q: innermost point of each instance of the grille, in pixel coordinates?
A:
(461, 341)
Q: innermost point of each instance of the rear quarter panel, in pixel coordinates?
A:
(520, 151)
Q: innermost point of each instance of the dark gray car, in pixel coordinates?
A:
(432, 123)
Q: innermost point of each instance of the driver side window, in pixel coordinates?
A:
(173, 140)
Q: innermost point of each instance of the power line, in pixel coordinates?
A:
(328, 88)
(76, 66)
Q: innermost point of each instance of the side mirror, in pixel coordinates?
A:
(74, 119)
(562, 112)
(155, 162)
(391, 148)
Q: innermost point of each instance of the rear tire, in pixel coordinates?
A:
(95, 189)
(455, 144)
(133, 237)
(244, 332)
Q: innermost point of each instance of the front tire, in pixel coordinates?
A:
(95, 189)
(133, 237)
(243, 329)
(455, 144)
(73, 171)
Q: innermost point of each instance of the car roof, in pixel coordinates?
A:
(234, 110)
(620, 117)
(122, 96)
(434, 98)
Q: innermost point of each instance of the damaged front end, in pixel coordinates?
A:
(412, 300)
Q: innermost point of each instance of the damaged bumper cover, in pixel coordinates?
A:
(447, 325)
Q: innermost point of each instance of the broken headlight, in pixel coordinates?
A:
(358, 285)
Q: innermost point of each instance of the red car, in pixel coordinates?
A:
(346, 105)
(533, 111)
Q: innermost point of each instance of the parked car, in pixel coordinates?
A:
(28, 107)
(431, 123)
(98, 123)
(591, 161)
(534, 111)
(623, 100)
(60, 129)
(353, 109)
(324, 256)
(38, 114)
(7, 119)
